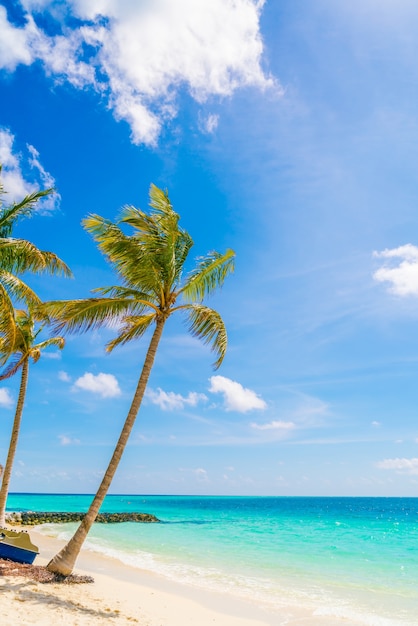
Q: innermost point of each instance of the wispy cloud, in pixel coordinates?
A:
(68, 441)
(404, 466)
(236, 397)
(208, 124)
(170, 401)
(403, 276)
(276, 425)
(15, 182)
(105, 385)
(200, 474)
(64, 377)
(6, 399)
(141, 55)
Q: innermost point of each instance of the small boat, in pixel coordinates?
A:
(17, 546)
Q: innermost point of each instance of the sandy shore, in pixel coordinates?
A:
(119, 595)
(124, 595)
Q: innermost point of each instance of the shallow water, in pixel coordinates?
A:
(352, 558)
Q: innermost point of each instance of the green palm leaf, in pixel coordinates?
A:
(133, 328)
(209, 274)
(207, 325)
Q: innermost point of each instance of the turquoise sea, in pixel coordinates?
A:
(348, 558)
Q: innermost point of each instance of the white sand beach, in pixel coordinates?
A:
(119, 595)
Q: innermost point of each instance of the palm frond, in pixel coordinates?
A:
(59, 342)
(17, 289)
(131, 260)
(133, 328)
(209, 274)
(10, 214)
(117, 291)
(159, 233)
(207, 325)
(81, 315)
(162, 208)
(8, 331)
(14, 366)
(19, 255)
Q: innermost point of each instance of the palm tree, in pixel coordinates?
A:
(150, 265)
(24, 349)
(16, 257)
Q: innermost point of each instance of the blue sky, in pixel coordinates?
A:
(286, 130)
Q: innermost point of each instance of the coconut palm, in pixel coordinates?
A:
(18, 256)
(150, 264)
(25, 348)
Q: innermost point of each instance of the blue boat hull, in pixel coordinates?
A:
(17, 546)
(16, 554)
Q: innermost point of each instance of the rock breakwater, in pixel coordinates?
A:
(33, 518)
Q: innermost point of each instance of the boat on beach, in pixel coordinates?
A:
(17, 546)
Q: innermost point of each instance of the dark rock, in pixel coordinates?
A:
(32, 518)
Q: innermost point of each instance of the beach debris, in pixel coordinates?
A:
(39, 573)
(32, 518)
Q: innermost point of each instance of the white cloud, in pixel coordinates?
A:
(49, 203)
(170, 401)
(201, 475)
(236, 397)
(64, 377)
(105, 385)
(52, 356)
(275, 425)
(403, 277)
(209, 124)
(407, 466)
(14, 182)
(15, 45)
(6, 399)
(68, 441)
(376, 424)
(12, 178)
(140, 55)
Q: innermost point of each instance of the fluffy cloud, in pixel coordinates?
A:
(105, 385)
(141, 54)
(13, 179)
(6, 399)
(64, 377)
(15, 43)
(407, 466)
(402, 277)
(236, 397)
(170, 401)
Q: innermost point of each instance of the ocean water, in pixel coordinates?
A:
(354, 560)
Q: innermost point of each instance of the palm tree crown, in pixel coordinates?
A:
(16, 257)
(150, 265)
(24, 349)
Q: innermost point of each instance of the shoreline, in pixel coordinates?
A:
(121, 594)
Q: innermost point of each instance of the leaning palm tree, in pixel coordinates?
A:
(24, 349)
(150, 265)
(16, 257)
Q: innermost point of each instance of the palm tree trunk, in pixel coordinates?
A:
(63, 562)
(13, 442)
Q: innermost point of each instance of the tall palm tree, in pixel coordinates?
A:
(150, 265)
(16, 257)
(24, 349)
